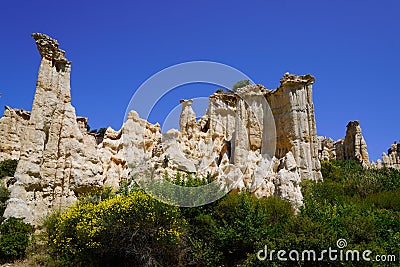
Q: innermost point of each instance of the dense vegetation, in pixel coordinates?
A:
(130, 228)
(120, 230)
(359, 205)
(14, 239)
(8, 167)
(14, 233)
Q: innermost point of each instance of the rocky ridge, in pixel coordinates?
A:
(257, 139)
(391, 159)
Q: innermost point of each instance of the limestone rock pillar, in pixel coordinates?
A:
(57, 161)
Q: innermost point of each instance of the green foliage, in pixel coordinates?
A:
(188, 180)
(348, 179)
(8, 167)
(97, 195)
(220, 91)
(360, 205)
(14, 239)
(4, 195)
(99, 132)
(131, 230)
(225, 233)
(183, 189)
(240, 84)
(102, 131)
(129, 227)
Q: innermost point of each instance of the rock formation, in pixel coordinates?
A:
(293, 111)
(326, 148)
(234, 141)
(56, 160)
(237, 132)
(354, 146)
(351, 147)
(12, 125)
(392, 158)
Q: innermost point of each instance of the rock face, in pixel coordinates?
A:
(293, 111)
(392, 158)
(288, 181)
(56, 160)
(351, 147)
(259, 139)
(354, 145)
(12, 125)
(326, 148)
(235, 140)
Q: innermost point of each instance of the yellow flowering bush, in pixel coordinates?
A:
(132, 229)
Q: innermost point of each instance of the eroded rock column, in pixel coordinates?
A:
(57, 161)
(293, 111)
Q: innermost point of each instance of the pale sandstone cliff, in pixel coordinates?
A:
(235, 141)
(391, 159)
(12, 125)
(352, 147)
(293, 111)
(56, 160)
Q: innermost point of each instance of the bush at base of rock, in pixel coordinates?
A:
(14, 239)
(131, 230)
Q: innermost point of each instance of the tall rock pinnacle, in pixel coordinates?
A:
(57, 160)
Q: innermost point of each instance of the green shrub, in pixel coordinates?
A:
(129, 227)
(4, 195)
(240, 84)
(100, 132)
(132, 230)
(97, 195)
(226, 232)
(349, 178)
(389, 200)
(183, 189)
(14, 239)
(8, 167)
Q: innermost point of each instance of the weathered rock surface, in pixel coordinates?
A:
(234, 141)
(56, 160)
(391, 159)
(352, 147)
(12, 125)
(288, 181)
(296, 130)
(326, 148)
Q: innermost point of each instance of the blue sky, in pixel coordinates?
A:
(351, 47)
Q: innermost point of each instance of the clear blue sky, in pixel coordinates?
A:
(351, 47)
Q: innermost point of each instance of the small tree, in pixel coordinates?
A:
(14, 239)
(240, 84)
(101, 132)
